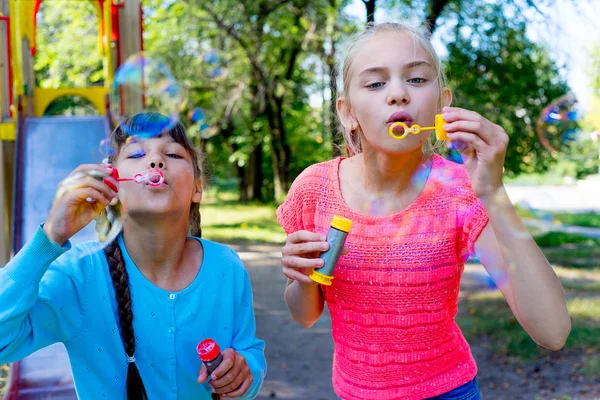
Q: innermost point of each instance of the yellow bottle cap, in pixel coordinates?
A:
(440, 133)
(341, 223)
(320, 278)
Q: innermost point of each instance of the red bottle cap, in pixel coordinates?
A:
(115, 175)
(208, 350)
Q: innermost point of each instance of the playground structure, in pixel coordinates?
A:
(28, 176)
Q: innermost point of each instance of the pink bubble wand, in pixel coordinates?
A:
(154, 177)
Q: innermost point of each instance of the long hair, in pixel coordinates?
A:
(142, 123)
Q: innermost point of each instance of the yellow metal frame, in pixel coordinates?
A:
(7, 131)
(23, 26)
(43, 97)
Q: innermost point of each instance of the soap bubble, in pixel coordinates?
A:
(200, 125)
(565, 131)
(106, 149)
(142, 84)
(214, 65)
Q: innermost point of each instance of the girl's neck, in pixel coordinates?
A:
(162, 252)
(377, 185)
(391, 175)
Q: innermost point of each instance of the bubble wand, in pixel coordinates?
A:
(153, 177)
(415, 129)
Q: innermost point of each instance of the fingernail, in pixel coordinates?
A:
(446, 126)
(444, 115)
(323, 238)
(319, 262)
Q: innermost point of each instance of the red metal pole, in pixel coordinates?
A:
(10, 77)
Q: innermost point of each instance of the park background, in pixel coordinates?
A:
(263, 73)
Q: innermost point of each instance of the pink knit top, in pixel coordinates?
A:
(395, 295)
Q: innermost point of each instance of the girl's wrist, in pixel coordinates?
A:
(308, 287)
(53, 237)
(496, 195)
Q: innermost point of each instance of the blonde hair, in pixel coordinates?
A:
(420, 36)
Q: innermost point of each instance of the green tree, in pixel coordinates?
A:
(273, 55)
(67, 45)
(497, 71)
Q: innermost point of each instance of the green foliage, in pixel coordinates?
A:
(496, 70)
(489, 316)
(71, 105)
(274, 57)
(271, 53)
(67, 45)
(225, 220)
(588, 219)
(553, 239)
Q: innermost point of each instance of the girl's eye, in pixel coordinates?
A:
(375, 85)
(417, 80)
(137, 154)
(174, 156)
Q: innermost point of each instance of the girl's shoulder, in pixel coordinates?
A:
(223, 255)
(315, 173)
(81, 263)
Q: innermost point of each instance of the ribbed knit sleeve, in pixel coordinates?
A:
(298, 210)
(39, 299)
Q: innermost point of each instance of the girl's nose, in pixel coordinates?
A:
(397, 94)
(157, 164)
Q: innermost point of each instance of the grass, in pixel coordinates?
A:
(489, 316)
(224, 219)
(570, 250)
(585, 219)
(592, 366)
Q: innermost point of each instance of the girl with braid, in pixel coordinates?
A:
(132, 315)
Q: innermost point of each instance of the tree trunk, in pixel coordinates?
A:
(370, 4)
(242, 174)
(255, 175)
(280, 149)
(434, 10)
(337, 140)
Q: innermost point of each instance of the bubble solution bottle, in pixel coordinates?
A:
(210, 354)
(336, 237)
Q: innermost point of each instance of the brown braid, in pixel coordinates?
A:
(135, 386)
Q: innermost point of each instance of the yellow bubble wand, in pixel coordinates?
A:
(415, 129)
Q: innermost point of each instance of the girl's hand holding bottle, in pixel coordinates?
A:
(300, 255)
(483, 146)
(79, 198)
(232, 378)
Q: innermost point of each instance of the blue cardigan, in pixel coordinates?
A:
(49, 294)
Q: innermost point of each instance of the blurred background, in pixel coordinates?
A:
(259, 82)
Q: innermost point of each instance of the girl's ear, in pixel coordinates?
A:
(346, 116)
(446, 97)
(197, 193)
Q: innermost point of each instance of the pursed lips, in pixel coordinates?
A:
(400, 116)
